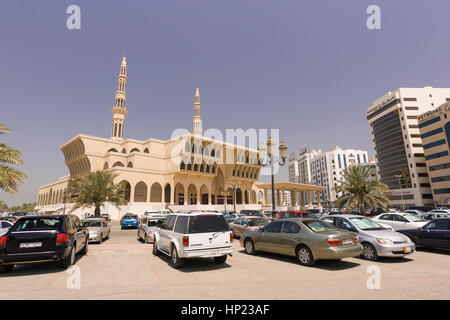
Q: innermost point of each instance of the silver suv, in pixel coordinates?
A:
(194, 235)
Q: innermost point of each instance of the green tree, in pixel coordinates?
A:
(10, 176)
(359, 192)
(3, 206)
(95, 189)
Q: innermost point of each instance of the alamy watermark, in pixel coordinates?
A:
(374, 280)
(73, 21)
(74, 280)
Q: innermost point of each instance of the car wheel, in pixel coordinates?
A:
(175, 260)
(107, 237)
(155, 250)
(220, 260)
(70, 260)
(305, 256)
(249, 247)
(369, 252)
(6, 269)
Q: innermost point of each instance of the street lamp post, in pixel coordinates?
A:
(267, 158)
(234, 195)
(399, 176)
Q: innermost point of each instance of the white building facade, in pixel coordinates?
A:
(326, 168)
(399, 153)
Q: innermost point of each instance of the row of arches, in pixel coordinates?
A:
(198, 167)
(73, 150)
(181, 194)
(245, 172)
(51, 197)
(146, 150)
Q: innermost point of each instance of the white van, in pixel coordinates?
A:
(194, 235)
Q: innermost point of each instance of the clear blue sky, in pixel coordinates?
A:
(310, 68)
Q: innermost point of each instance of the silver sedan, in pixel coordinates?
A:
(376, 240)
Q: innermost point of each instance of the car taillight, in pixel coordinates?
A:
(356, 239)
(334, 241)
(231, 237)
(3, 241)
(185, 241)
(62, 238)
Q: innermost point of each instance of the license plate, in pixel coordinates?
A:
(129, 225)
(406, 250)
(347, 241)
(31, 245)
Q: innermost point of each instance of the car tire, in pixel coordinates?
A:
(7, 269)
(86, 247)
(220, 260)
(249, 247)
(175, 261)
(70, 260)
(305, 256)
(155, 250)
(107, 237)
(369, 252)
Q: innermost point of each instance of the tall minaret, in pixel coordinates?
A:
(197, 120)
(119, 110)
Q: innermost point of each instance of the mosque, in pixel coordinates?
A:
(188, 172)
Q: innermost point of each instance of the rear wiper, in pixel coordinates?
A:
(217, 233)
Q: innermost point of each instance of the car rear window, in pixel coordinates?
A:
(318, 226)
(91, 223)
(37, 224)
(130, 217)
(207, 223)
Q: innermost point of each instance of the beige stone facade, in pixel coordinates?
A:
(187, 172)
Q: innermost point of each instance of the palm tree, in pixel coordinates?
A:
(96, 188)
(359, 192)
(10, 176)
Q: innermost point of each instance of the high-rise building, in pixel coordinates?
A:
(326, 168)
(399, 153)
(434, 129)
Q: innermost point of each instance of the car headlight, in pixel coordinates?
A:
(384, 241)
(408, 240)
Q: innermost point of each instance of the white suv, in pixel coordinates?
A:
(194, 235)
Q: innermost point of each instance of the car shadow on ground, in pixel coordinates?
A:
(434, 250)
(330, 265)
(389, 260)
(37, 268)
(196, 264)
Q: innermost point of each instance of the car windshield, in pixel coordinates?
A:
(318, 226)
(37, 224)
(152, 223)
(91, 223)
(413, 218)
(366, 224)
(256, 222)
(207, 223)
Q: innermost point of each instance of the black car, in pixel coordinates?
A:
(435, 234)
(46, 238)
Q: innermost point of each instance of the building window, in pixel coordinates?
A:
(434, 144)
(431, 133)
(441, 191)
(437, 155)
(428, 122)
(409, 99)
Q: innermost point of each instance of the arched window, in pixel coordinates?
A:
(134, 150)
(182, 165)
(124, 151)
(207, 168)
(195, 167)
(130, 165)
(105, 166)
(213, 169)
(118, 164)
(187, 147)
(213, 153)
(202, 168)
(112, 150)
(146, 150)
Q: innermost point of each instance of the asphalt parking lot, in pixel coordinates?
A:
(124, 268)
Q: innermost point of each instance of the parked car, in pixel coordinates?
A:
(231, 217)
(246, 223)
(194, 235)
(434, 215)
(11, 219)
(19, 214)
(421, 208)
(4, 226)
(250, 212)
(147, 227)
(318, 212)
(43, 238)
(416, 212)
(435, 234)
(307, 239)
(129, 220)
(376, 240)
(297, 214)
(400, 220)
(99, 229)
(441, 210)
